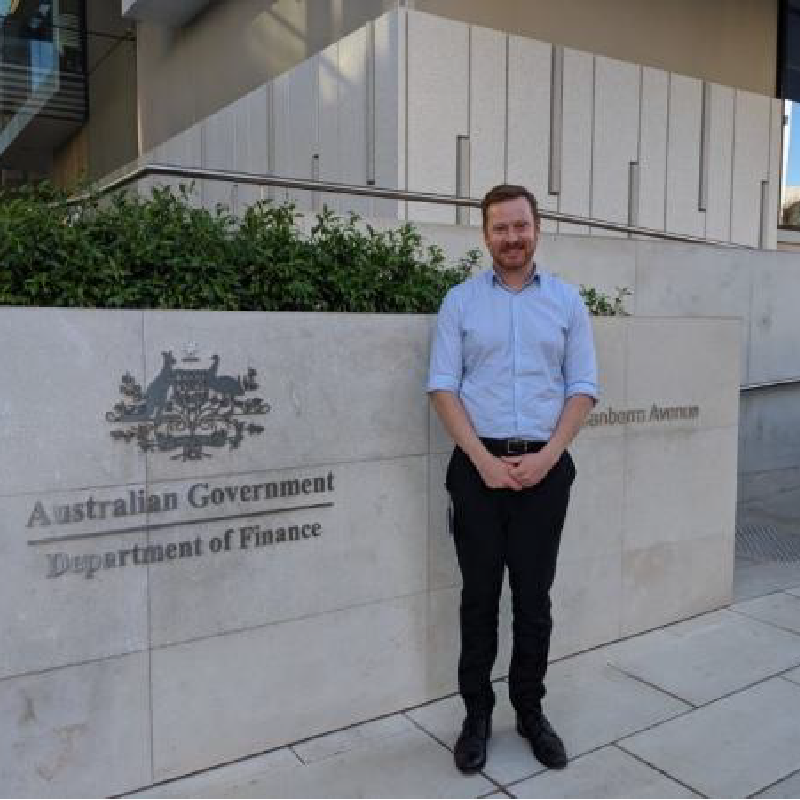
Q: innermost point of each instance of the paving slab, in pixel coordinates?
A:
(410, 764)
(733, 747)
(608, 772)
(342, 741)
(780, 609)
(754, 580)
(793, 675)
(509, 755)
(592, 704)
(788, 787)
(220, 780)
(708, 657)
(589, 703)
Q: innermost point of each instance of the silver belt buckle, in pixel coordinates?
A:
(516, 447)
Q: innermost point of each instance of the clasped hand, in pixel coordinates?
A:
(516, 472)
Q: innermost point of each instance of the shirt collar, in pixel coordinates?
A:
(534, 278)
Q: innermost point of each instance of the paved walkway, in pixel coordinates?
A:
(707, 707)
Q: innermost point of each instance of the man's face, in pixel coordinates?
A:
(511, 234)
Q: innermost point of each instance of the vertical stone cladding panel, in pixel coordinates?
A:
(218, 152)
(281, 143)
(487, 112)
(615, 140)
(530, 65)
(438, 108)
(653, 148)
(683, 157)
(750, 165)
(352, 117)
(720, 138)
(329, 115)
(774, 175)
(182, 150)
(576, 150)
(296, 119)
(390, 110)
(251, 143)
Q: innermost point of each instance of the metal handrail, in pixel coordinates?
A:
(747, 387)
(256, 179)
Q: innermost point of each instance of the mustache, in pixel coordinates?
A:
(508, 247)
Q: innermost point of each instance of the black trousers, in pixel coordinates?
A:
(494, 529)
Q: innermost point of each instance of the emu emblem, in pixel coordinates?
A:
(188, 409)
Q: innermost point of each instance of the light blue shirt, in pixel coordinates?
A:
(513, 356)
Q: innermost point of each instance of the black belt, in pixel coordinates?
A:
(512, 447)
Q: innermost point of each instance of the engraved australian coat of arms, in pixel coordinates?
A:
(188, 408)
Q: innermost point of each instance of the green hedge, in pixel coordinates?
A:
(161, 252)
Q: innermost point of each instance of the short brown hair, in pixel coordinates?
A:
(507, 191)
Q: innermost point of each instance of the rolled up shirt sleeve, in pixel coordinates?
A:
(446, 364)
(580, 362)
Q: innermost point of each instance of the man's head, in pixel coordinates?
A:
(511, 226)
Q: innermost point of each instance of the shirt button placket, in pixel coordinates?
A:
(514, 300)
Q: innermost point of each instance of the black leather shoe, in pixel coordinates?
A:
(545, 742)
(470, 749)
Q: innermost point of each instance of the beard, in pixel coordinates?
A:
(514, 257)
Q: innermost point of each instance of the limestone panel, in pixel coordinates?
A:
(751, 145)
(586, 599)
(593, 528)
(437, 112)
(281, 145)
(606, 265)
(680, 486)
(683, 156)
(529, 85)
(63, 371)
(675, 580)
(442, 563)
(770, 434)
(61, 604)
(219, 152)
(653, 148)
(576, 138)
(773, 194)
(487, 112)
(183, 150)
(383, 414)
(251, 144)
(390, 110)
(719, 156)
(679, 280)
(357, 536)
(612, 356)
(703, 375)
(615, 140)
(80, 731)
(330, 146)
(351, 113)
(264, 687)
(773, 319)
(296, 125)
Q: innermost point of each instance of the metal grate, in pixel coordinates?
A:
(763, 543)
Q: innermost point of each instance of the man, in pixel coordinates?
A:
(512, 377)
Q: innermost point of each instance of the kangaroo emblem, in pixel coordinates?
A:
(155, 397)
(189, 410)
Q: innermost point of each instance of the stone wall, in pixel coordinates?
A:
(202, 558)
(419, 102)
